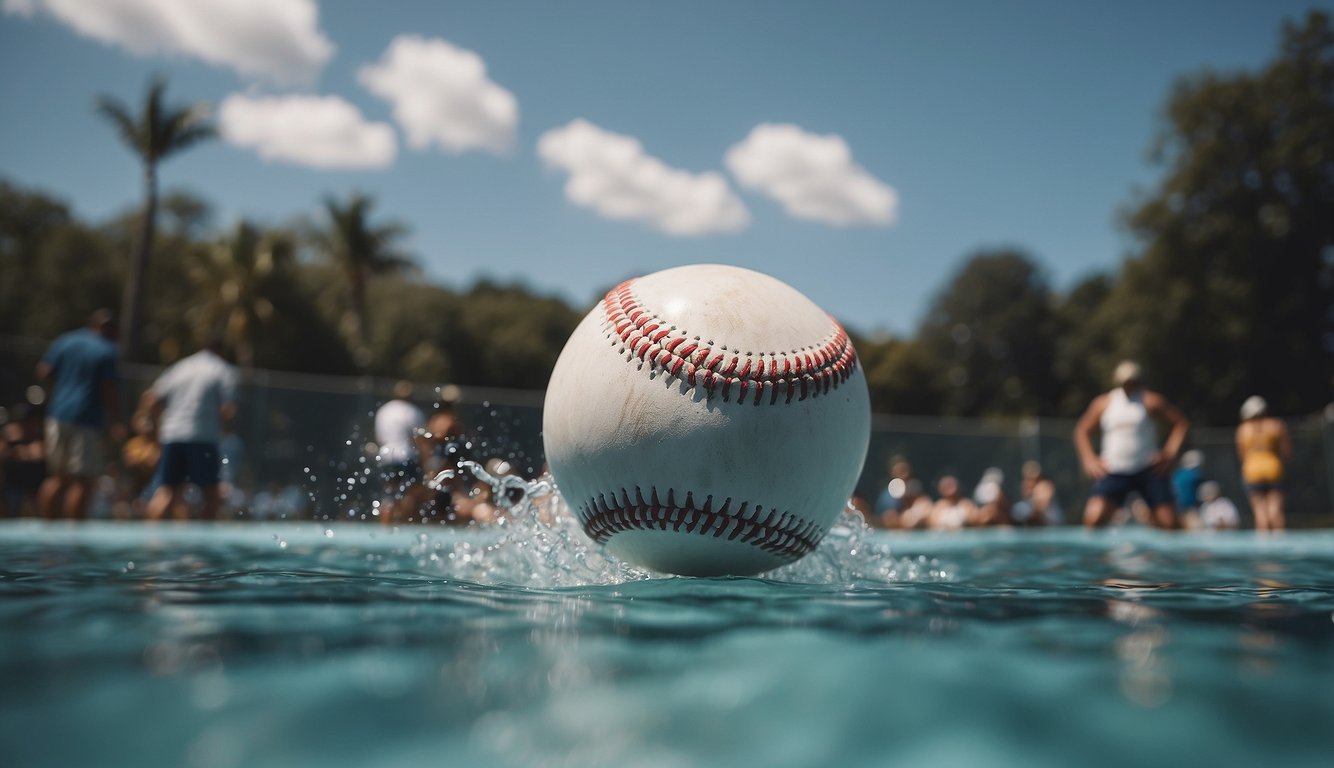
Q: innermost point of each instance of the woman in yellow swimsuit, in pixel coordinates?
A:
(1263, 445)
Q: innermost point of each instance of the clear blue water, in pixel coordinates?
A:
(304, 645)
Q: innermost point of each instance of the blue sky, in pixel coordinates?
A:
(859, 151)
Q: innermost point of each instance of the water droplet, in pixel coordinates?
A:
(328, 533)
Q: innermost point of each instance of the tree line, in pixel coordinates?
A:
(1228, 291)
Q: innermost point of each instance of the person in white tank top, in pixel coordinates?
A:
(1130, 459)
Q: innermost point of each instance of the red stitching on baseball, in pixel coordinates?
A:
(804, 373)
(789, 536)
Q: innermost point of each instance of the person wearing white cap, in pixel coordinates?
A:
(1130, 459)
(1263, 445)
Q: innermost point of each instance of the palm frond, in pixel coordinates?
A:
(119, 116)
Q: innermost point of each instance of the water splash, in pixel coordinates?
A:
(537, 542)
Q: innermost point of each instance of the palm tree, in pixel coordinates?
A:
(236, 278)
(158, 132)
(360, 250)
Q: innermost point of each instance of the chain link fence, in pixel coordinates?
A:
(314, 431)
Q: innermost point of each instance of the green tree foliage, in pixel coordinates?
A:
(903, 375)
(41, 247)
(1233, 293)
(156, 133)
(993, 330)
(235, 277)
(1085, 352)
(360, 250)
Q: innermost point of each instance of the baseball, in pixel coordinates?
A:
(707, 420)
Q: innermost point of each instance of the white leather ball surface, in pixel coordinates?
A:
(707, 420)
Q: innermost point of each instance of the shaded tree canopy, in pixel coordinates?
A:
(993, 330)
(1232, 295)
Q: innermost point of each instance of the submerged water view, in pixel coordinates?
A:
(303, 644)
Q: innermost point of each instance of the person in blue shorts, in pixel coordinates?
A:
(81, 370)
(1130, 459)
(193, 399)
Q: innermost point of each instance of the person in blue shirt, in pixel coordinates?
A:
(1186, 481)
(81, 373)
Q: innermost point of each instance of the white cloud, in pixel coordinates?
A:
(814, 177)
(277, 40)
(611, 174)
(318, 131)
(441, 95)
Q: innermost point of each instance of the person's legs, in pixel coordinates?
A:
(50, 495)
(203, 467)
(212, 501)
(1098, 511)
(1165, 516)
(1259, 510)
(1268, 505)
(1157, 493)
(164, 498)
(76, 498)
(52, 491)
(1105, 497)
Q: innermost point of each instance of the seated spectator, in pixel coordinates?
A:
(993, 504)
(889, 504)
(1186, 481)
(23, 456)
(952, 510)
(139, 457)
(1037, 504)
(914, 505)
(1217, 513)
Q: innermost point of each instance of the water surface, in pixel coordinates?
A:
(350, 645)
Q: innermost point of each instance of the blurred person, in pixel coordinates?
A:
(23, 456)
(398, 424)
(1037, 504)
(915, 506)
(1263, 445)
(192, 401)
(81, 370)
(1186, 481)
(481, 503)
(1130, 459)
(1217, 513)
(952, 510)
(889, 504)
(139, 456)
(442, 445)
(993, 503)
(231, 487)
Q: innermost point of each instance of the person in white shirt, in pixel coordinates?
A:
(192, 399)
(1217, 513)
(398, 424)
(1130, 459)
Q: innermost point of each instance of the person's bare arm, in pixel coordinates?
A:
(1158, 407)
(1240, 442)
(1284, 441)
(1088, 458)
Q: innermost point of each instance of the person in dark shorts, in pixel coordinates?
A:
(398, 423)
(82, 373)
(1130, 459)
(192, 400)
